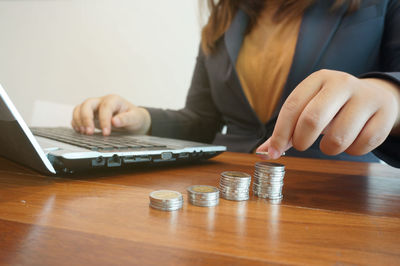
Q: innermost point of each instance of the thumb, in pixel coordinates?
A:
(137, 120)
(264, 147)
(126, 119)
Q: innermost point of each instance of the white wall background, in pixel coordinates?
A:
(59, 52)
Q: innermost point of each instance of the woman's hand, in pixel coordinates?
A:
(107, 112)
(354, 115)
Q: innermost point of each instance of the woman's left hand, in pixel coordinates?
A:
(354, 115)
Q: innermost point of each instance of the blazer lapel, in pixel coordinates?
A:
(234, 36)
(317, 29)
(233, 39)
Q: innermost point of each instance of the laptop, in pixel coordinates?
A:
(63, 151)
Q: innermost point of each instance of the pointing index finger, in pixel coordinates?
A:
(107, 108)
(290, 113)
(87, 110)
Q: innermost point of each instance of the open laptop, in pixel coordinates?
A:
(62, 150)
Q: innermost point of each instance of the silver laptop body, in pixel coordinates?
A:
(49, 155)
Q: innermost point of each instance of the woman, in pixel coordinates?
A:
(280, 73)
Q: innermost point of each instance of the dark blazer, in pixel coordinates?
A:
(365, 43)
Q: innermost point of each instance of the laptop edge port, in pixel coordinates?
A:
(114, 161)
(184, 155)
(165, 156)
(136, 159)
(99, 161)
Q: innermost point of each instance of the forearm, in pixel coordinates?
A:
(183, 124)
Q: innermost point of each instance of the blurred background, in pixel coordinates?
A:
(56, 53)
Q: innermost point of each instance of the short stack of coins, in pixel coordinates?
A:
(203, 196)
(268, 180)
(235, 185)
(166, 200)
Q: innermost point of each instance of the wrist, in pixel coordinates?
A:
(394, 90)
(146, 128)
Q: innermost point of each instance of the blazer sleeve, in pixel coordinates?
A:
(199, 120)
(389, 151)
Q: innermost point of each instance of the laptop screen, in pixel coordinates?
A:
(16, 140)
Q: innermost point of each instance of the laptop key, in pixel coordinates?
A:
(95, 142)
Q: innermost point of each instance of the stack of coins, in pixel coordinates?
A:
(235, 185)
(268, 180)
(203, 196)
(166, 200)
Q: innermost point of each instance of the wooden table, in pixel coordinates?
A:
(332, 213)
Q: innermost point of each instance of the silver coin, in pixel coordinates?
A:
(166, 200)
(165, 209)
(267, 184)
(223, 185)
(202, 197)
(267, 187)
(232, 190)
(165, 195)
(268, 175)
(275, 201)
(239, 195)
(244, 195)
(275, 197)
(260, 195)
(167, 205)
(235, 185)
(235, 174)
(269, 165)
(269, 193)
(204, 203)
(202, 189)
(268, 180)
(229, 197)
(235, 181)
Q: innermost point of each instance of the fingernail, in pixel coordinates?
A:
(89, 130)
(106, 131)
(82, 129)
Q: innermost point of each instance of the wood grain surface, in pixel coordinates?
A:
(332, 213)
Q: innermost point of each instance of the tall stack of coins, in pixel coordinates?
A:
(268, 180)
(235, 185)
(203, 196)
(166, 200)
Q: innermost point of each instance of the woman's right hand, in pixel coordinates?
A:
(107, 112)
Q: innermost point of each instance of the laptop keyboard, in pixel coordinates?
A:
(96, 142)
